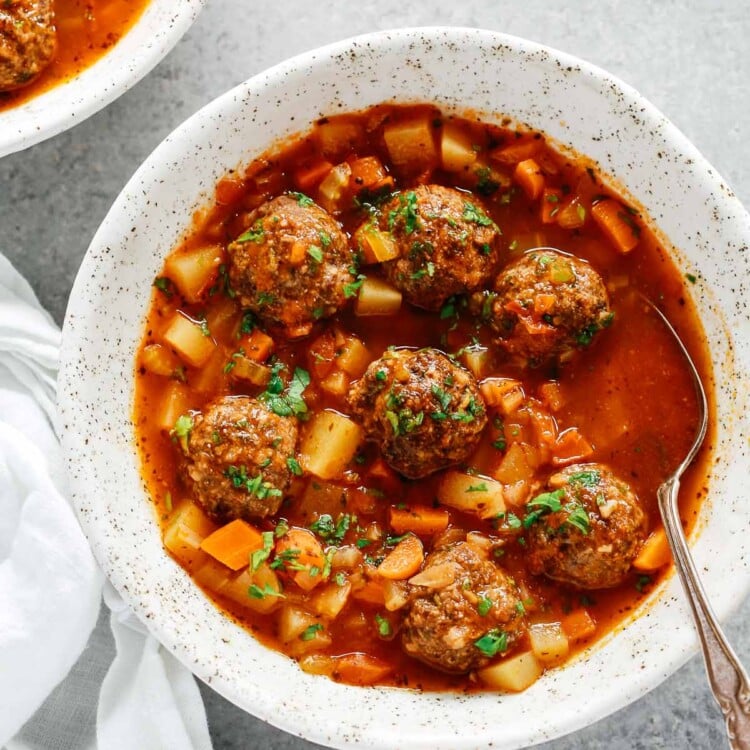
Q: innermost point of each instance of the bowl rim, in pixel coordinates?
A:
(636, 684)
(75, 99)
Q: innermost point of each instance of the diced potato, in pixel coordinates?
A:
(369, 591)
(395, 594)
(211, 378)
(187, 528)
(411, 145)
(472, 494)
(548, 642)
(377, 246)
(317, 664)
(332, 599)
(187, 338)
(322, 497)
(336, 383)
(655, 552)
(338, 136)
(316, 639)
(456, 149)
(222, 317)
(157, 359)
(258, 590)
(477, 359)
(329, 444)
(376, 297)
(194, 271)
(212, 575)
(293, 621)
(514, 466)
(250, 370)
(174, 402)
(513, 674)
(334, 186)
(505, 394)
(346, 558)
(354, 357)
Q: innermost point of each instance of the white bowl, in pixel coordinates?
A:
(154, 34)
(494, 74)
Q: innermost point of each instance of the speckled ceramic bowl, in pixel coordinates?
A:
(574, 103)
(155, 33)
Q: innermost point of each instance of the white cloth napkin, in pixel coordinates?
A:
(51, 587)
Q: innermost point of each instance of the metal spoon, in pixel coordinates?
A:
(726, 676)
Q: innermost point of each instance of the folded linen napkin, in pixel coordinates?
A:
(51, 587)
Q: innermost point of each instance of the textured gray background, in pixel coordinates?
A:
(691, 59)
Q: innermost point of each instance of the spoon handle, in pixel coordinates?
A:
(727, 677)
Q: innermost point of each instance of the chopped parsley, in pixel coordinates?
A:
(642, 582)
(256, 485)
(265, 298)
(248, 322)
(256, 233)
(485, 184)
(407, 211)
(340, 578)
(259, 556)
(476, 215)
(392, 541)
(163, 284)
(547, 502)
(493, 642)
(589, 478)
(481, 487)
(181, 430)
(309, 632)
(353, 287)
(578, 517)
(203, 325)
(692, 278)
(302, 199)
(325, 238)
(380, 375)
(331, 532)
(315, 253)
(384, 627)
(286, 402)
(256, 592)
(362, 543)
(293, 466)
(484, 605)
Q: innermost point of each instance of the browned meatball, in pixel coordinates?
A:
(587, 529)
(236, 458)
(469, 611)
(27, 40)
(292, 265)
(447, 243)
(425, 411)
(547, 304)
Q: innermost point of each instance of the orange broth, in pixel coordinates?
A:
(629, 392)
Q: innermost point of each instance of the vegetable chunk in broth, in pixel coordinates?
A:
(402, 408)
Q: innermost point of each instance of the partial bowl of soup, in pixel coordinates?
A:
(63, 61)
(362, 388)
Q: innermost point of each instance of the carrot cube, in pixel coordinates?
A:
(232, 544)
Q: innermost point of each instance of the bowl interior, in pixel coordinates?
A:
(158, 29)
(458, 69)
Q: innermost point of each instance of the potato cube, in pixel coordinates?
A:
(548, 642)
(174, 402)
(411, 145)
(514, 674)
(187, 528)
(194, 271)
(329, 444)
(376, 297)
(456, 149)
(189, 339)
(471, 494)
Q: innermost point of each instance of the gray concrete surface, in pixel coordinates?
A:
(691, 59)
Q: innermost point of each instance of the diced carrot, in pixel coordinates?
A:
(376, 246)
(229, 189)
(257, 345)
(578, 625)
(380, 470)
(570, 446)
(368, 173)
(419, 519)
(404, 560)
(655, 552)
(360, 669)
(543, 303)
(517, 151)
(302, 549)
(615, 221)
(530, 177)
(372, 593)
(321, 354)
(233, 543)
(307, 177)
(551, 198)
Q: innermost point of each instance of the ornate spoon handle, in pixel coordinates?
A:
(727, 677)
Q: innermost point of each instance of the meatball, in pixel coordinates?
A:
(547, 304)
(425, 411)
(292, 265)
(236, 458)
(586, 530)
(467, 611)
(447, 244)
(27, 40)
